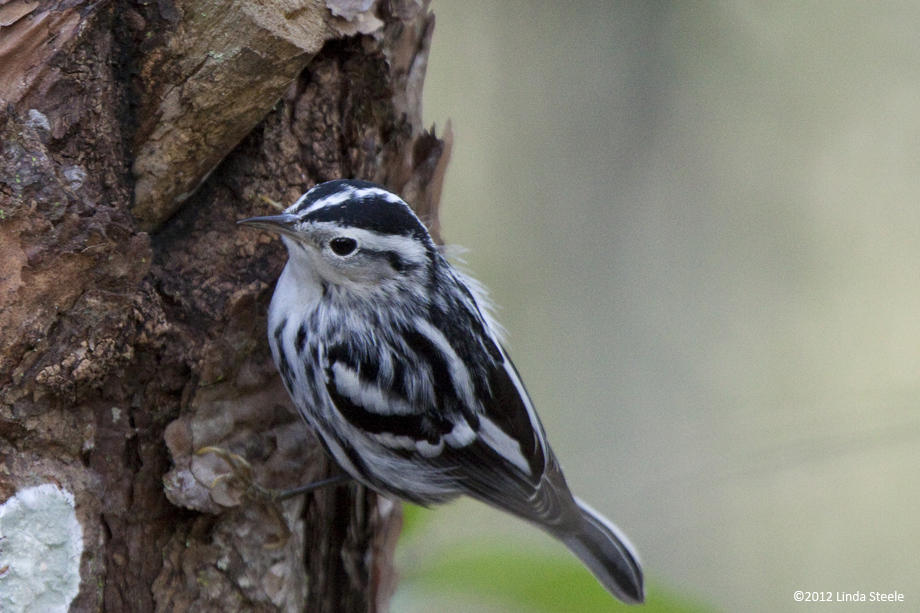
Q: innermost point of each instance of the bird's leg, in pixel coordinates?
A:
(309, 487)
(240, 478)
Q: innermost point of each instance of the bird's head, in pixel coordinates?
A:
(353, 235)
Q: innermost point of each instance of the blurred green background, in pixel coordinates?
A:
(702, 224)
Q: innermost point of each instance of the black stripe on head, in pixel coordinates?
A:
(375, 214)
(379, 212)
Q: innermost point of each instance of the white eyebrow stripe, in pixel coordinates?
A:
(408, 248)
(405, 246)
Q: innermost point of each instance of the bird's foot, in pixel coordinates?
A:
(240, 478)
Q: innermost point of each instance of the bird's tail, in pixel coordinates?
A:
(608, 554)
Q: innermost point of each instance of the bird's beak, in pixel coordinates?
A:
(279, 224)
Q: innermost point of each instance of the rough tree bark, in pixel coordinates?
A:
(132, 310)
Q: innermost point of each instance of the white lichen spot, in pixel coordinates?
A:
(75, 176)
(37, 119)
(41, 542)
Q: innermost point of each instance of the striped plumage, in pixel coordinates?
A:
(392, 357)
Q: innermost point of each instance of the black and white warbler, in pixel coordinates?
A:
(392, 357)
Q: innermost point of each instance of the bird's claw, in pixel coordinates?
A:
(241, 478)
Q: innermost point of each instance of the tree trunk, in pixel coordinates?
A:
(133, 310)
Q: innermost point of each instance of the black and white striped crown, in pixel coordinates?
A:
(358, 204)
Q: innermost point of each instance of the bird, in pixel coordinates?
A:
(393, 357)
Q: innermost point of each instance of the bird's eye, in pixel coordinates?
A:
(343, 246)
